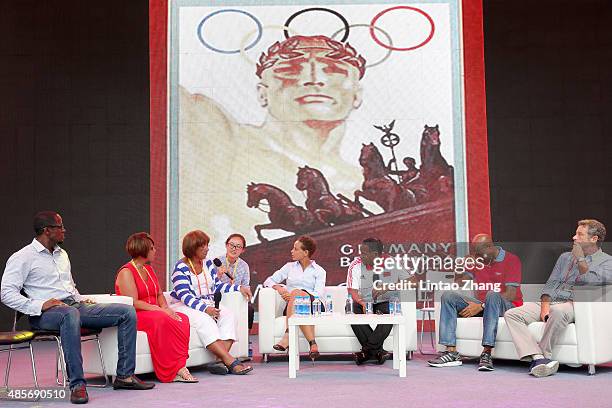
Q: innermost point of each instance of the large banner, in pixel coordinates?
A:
(340, 121)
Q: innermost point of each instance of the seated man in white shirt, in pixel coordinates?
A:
(42, 270)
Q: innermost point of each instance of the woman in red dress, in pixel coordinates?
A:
(167, 331)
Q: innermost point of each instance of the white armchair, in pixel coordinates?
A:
(587, 341)
(198, 354)
(330, 339)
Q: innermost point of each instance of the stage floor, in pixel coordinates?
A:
(335, 381)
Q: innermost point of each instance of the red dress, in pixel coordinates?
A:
(168, 338)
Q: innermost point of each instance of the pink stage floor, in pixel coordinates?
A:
(336, 381)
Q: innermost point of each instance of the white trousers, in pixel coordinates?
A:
(207, 328)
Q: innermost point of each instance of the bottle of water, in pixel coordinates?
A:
(391, 306)
(316, 306)
(302, 307)
(307, 310)
(329, 307)
(297, 309)
(398, 306)
(348, 309)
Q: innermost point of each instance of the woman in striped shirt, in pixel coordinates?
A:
(195, 283)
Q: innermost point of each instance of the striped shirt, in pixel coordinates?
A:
(197, 291)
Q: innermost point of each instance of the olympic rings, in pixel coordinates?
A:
(251, 16)
(389, 51)
(246, 38)
(375, 19)
(335, 13)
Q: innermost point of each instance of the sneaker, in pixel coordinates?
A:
(543, 367)
(446, 359)
(486, 362)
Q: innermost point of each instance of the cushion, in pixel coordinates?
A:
(15, 337)
(471, 329)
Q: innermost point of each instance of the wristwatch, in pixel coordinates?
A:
(582, 259)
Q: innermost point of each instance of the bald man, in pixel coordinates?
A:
(503, 270)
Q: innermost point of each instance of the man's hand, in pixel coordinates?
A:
(377, 293)
(577, 251)
(51, 303)
(89, 302)
(472, 309)
(246, 292)
(213, 312)
(544, 310)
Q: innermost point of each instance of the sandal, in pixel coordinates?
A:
(313, 354)
(232, 368)
(183, 375)
(279, 347)
(218, 369)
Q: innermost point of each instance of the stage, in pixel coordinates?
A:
(336, 380)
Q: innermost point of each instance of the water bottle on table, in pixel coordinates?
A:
(316, 306)
(348, 309)
(329, 307)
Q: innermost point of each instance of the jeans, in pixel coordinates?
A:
(69, 319)
(453, 303)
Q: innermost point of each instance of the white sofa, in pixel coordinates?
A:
(587, 341)
(198, 354)
(330, 339)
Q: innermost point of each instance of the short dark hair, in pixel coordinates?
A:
(192, 241)
(43, 219)
(374, 244)
(236, 235)
(308, 244)
(139, 244)
(595, 229)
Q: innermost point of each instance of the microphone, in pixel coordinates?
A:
(218, 264)
(217, 295)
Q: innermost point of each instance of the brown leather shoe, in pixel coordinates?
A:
(78, 395)
(134, 384)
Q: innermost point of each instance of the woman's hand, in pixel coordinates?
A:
(283, 292)
(171, 313)
(246, 292)
(212, 312)
(221, 270)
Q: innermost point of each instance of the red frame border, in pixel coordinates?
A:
(477, 165)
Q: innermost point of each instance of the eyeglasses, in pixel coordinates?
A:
(235, 246)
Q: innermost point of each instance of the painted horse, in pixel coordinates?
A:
(321, 202)
(378, 186)
(435, 177)
(283, 214)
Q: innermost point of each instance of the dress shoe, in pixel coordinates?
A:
(135, 384)
(361, 357)
(78, 395)
(381, 357)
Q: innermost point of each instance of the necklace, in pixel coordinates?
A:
(198, 279)
(146, 285)
(228, 265)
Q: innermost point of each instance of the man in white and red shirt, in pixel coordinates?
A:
(360, 284)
